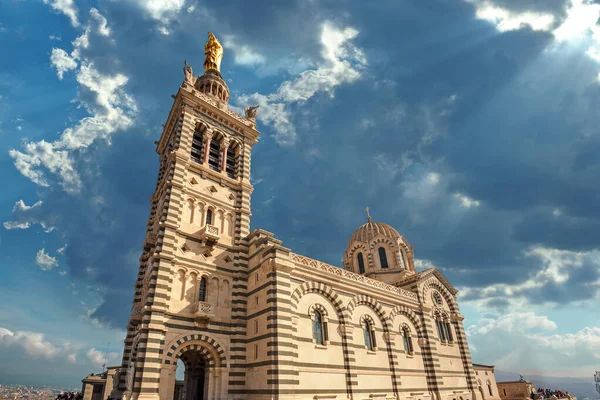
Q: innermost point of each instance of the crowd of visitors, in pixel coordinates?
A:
(550, 393)
(69, 396)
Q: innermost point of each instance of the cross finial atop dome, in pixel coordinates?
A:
(368, 215)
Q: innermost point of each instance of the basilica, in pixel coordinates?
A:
(245, 316)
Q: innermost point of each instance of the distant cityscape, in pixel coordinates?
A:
(32, 392)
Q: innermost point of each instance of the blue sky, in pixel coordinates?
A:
(469, 125)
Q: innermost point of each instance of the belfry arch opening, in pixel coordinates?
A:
(192, 377)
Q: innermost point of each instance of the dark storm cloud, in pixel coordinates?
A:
(444, 92)
(520, 139)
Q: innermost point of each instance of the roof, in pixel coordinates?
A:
(420, 276)
(483, 366)
(365, 233)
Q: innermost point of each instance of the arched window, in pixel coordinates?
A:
(196, 154)
(444, 329)
(449, 331)
(369, 333)
(407, 340)
(214, 155)
(439, 324)
(489, 385)
(383, 258)
(361, 263)
(318, 328)
(230, 163)
(209, 217)
(202, 291)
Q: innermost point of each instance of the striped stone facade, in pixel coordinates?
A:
(238, 309)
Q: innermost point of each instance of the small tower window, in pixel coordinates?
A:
(318, 328)
(361, 263)
(448, 331)
(444, 329)
(202, 291)
(369, 334)
(383, 258)
(230, 165)
(214, 155)
(208, 217)
(407, 339)
(196, 154)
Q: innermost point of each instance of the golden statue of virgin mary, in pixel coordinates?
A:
(213, 53)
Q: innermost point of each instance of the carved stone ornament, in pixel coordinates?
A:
(250, 112)
(189, 74)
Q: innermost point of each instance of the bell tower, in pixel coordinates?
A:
(193, 252)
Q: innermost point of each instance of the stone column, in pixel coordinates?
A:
(167, 381)
(224, 147)
(88, 390)
(207, 139)
(211, 382)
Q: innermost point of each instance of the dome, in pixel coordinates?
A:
(370, 230)
(378, 251)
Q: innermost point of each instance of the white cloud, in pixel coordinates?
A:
(32, 342)
(24, 216)
(55, 37)
(62, 61)
(269, 200)
(37, 346)
(581, 18)
(433, 178)
(66, 7)
(111, 109)
(61, 250)
(466, 201)
(422, 265)
(88, 317)
(243, 54)
(507, 20)
(342, 63)
(45, 261)
(15, 225)
(556, 267)
(102, 23)
(62, 272)
(524, 342)
(99, 358)
(72, 358)
(163, 11)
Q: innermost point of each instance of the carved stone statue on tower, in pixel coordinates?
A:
(189, 73)
(213, 53)
(250, 112)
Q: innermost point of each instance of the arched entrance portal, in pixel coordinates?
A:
(195, 377)
(203, 362)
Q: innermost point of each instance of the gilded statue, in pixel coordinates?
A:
(213, 53)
